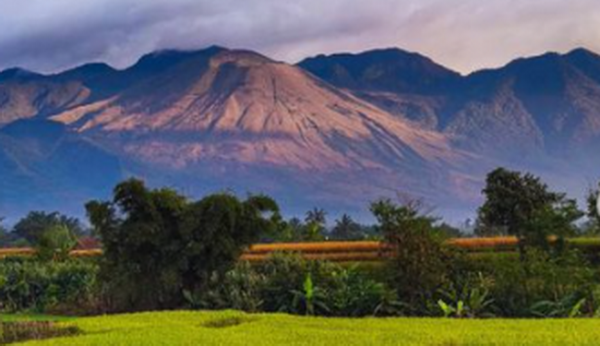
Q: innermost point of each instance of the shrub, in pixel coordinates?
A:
(238, 289)
(56, 243)
(467, 296)
(295, 285)
(420, 264)
(518, 286)
(27, 284)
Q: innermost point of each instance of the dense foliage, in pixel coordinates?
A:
(29, 284)
(159, 246)
(523, 206)
(420, 263)
(32, 226)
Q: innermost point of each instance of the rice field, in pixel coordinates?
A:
(349, 251)
(236, 328)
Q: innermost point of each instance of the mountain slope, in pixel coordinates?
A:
(405, 84)
(270, 126)
(547, 104)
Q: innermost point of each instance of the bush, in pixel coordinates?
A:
(33, 285)
(56, 243)
(289, 281)
(239, 289)
(518, 286)
(420, 264)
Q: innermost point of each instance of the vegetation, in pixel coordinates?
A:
(163, 251)
(593, 225)
(235, 328)
(32, 226)
(56, 243)
(521, 205)
(419, 264)
(32, 285)
(158, 245)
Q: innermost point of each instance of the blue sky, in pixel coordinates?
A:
(50, 35)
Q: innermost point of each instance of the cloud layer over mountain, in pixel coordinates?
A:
(50, 35)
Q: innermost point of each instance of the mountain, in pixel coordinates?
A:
(545, 105)
(333, 131)
(220, 119)
(403, 83)
(245, 121)
(384, 70)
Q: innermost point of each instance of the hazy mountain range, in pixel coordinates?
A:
(332, 131)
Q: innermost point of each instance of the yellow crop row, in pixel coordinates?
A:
(483, 243)
(342, 250)
(329, 246)
(334, 256)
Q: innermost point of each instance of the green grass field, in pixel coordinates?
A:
(234, 328)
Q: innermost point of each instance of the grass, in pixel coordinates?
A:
(235, 328)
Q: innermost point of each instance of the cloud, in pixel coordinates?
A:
(50, 35)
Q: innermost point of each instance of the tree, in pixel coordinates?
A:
(158, 244)
(32, 226)
(56, 243)
(346, 228)
(314, 227)
(420, 263)
(519, 203)
(556, 220)
(449, 231)
(592, 212)
(4, 237)
(317, 215)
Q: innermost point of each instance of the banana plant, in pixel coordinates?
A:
(456, 311)
(569, 306)
(311, 297)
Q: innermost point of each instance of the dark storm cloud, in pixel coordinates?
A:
(50, 35)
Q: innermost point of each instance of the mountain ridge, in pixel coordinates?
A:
(219, 118)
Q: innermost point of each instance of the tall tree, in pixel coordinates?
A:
(32, 226)
(420, 262)
(314, 227)
(517, 204)
(3, 233)
(158, 244)
(593, 214)
(346, 228)
(316, 215)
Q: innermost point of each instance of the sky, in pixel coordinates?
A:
(465, 35)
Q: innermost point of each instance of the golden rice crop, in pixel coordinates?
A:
(318, 247)
(334, 250)
(16, 252)
(334, 256)
(483, 243)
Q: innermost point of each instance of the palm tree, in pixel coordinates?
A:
(346, 228)
(317, 215)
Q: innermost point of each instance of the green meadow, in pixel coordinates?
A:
(237, 328)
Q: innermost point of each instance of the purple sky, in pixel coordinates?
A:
(50, 35)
